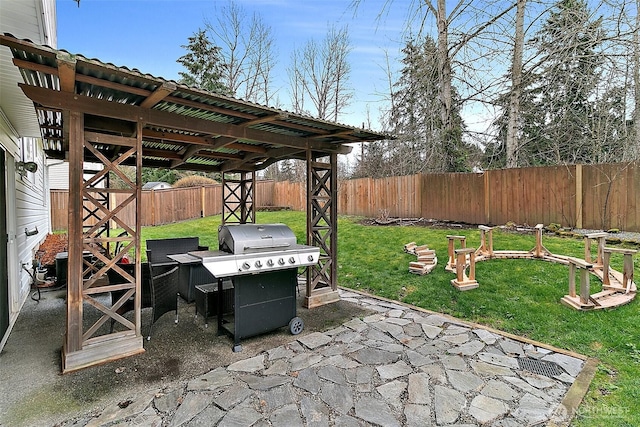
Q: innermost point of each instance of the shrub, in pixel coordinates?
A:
(194, 181)
(553, 227)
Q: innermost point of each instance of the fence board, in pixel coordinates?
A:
(59, 209)
(264, 193)
(595, 189)
(212, 200)
(455, 197)
(610, 198)
(633, 198)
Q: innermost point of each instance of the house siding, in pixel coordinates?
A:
(27, 195)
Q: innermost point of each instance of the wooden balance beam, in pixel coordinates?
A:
(617, 288)
(451, 263)
(485, 251)
(462, 282)
(601, 238)
(426, 258)
(621, 282)
(582, 301)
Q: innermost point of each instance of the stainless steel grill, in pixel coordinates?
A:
(256, 248)
(262, 261)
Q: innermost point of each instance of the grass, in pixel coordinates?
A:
(517, 296)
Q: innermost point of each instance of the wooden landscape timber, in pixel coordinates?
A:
(618, 288)
(426, 258)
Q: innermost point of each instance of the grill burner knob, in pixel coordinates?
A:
(270, 263)
(281, 261)
(246, 265)
(292, 260)
(258, 264)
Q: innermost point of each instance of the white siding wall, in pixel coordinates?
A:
(27, 196)
(58, 175)
(32, 211)
(26, 208)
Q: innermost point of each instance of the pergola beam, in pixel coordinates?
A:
(99, 107)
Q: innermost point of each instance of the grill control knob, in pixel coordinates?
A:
(270, 262)
(258, 264)
(310, 258)
(292, 260)
(246, 265)
(281, 261)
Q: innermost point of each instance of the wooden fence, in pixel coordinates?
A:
(584, 196)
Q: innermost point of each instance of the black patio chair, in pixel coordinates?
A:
(116, 278)
(164, 295)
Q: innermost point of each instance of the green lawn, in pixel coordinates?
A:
(516, 296)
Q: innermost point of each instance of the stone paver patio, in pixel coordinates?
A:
(398, 367)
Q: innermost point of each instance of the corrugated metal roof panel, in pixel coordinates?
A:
(211, 122)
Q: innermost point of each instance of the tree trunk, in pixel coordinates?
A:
(516, 88)
(636, 83)
(446, 101)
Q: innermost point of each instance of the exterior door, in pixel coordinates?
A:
(4, 272)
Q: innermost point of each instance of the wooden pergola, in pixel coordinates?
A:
(95, 113)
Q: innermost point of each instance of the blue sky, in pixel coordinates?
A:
(148, 35)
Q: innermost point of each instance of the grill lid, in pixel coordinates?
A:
(244, 238)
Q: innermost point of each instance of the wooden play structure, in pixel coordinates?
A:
(618, 288)
(426, 258)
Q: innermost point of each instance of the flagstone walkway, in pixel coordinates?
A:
(398, 367)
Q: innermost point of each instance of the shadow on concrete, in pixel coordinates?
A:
(34, 392)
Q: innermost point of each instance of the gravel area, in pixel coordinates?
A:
(625, 236)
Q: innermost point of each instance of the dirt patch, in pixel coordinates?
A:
(418, 222)
(615, 238)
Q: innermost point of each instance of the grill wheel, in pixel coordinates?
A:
(296, 325)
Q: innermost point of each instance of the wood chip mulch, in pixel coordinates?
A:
(52, 245)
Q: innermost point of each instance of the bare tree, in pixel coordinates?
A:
(247, 51)
(461, 32)
(319, 75)
(516, 87)
(636, 81)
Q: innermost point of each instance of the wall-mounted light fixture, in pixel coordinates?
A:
(24, 167)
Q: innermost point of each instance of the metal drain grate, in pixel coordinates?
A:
(541, 367)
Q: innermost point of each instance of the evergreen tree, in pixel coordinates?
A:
(424, 144)
(203, 63)
(559, 99)
(564, 115)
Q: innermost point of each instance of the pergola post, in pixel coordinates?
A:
(322, 228)
(89, 340)
(238, 197)
(73, 336)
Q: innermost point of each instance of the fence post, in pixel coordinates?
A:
(202, 203)
(153, 207)
(487, 199)
(578, 196)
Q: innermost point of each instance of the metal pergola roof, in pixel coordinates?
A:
(89, 111)
(184, 127)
